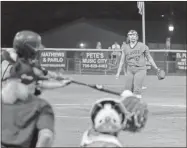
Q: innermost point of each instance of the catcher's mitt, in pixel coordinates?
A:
(161, 74)
(138, 111)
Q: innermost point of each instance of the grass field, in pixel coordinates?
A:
(166, 126)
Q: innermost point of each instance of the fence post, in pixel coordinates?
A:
(167, 63)
(67, 64)
(80, 67)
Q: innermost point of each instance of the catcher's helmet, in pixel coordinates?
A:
(98, 105)
(26, 43)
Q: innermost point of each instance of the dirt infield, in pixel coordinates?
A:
(166, 125)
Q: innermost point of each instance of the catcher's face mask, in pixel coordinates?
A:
(108, 116)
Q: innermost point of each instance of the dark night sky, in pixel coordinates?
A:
(42, 16)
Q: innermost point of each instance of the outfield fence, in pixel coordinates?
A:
(105, 61)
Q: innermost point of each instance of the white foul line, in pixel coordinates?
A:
(71, 104)
(85, 117)
(82, 106)
(89, 105)
(72, 117)
(168, 105)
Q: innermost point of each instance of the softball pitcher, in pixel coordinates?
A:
(134, 54)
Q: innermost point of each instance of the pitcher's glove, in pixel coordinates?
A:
(161, 74)
(138, 113)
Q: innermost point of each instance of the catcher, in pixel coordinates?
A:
(27, 121)
(26, 45)
(111, 116)
(107, 117)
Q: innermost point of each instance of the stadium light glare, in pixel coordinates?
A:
(82, 45)
(171, 28)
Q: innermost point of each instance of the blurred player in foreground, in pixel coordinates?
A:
(27, 121)
(134, 55)
(26, 45)
(110, 116)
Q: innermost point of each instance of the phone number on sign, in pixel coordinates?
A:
(53, 65)
(94, 65)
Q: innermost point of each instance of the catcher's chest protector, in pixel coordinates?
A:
(99, 140)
